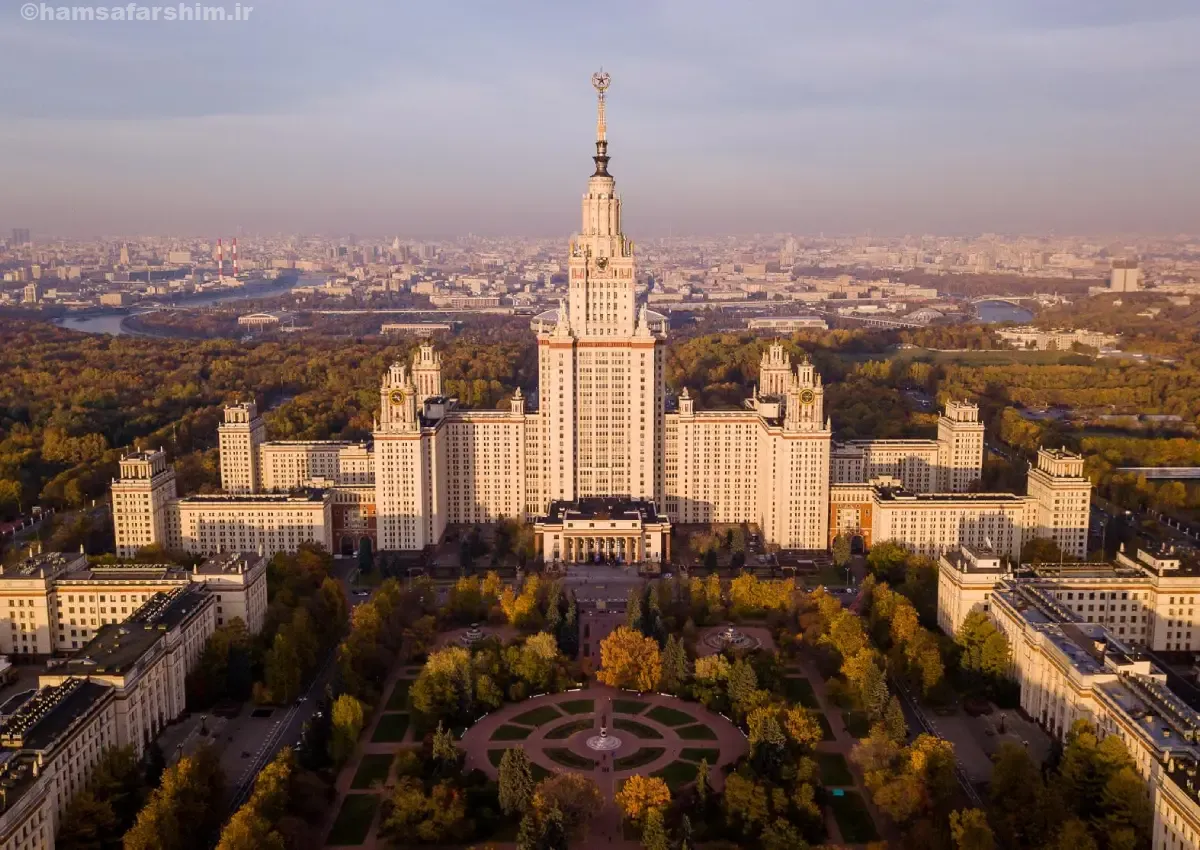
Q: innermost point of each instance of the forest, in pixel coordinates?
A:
(72, 403)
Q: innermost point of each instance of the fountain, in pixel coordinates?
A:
(603, 742)
(472, 635)
(729, 637)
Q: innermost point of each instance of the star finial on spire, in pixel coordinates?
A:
(600, 81)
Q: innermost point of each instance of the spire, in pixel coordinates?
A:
(600, 81)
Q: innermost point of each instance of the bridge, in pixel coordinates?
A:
(1011, 300)
(870, 321)
(1163, 473)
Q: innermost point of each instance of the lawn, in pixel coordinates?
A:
(629, 706)
(566, 730)
(670, 716)
(511, 733)
(853, 819)
(698, 754)
(538, 716)
(699, 732)
(577, 706)
(391, 729)
(640, 729)
(857, 723)
(373, 768)
(834, 770)
(353, 820)
(639, 758)
(800, 690)
(677, 774)
(398, 701)
(567, 758)
(826, 729)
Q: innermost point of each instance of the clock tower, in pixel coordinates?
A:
(398, 401)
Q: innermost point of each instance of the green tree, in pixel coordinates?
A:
(654, 833)
(674, 666)
(894, 722)
(633, 609)
(841, 551)
(366, 557)
(516, 781)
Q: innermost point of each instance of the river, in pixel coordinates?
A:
(991, 312)
(110, 323)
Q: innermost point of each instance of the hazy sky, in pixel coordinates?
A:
(438, 117)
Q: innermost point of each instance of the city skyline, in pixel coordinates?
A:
(1007, 118)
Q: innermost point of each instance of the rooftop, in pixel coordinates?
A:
(601, 509)
(898, 494)
(44, 565)
(231, 563)
(117, 647)
(308, 494)
(41, 721)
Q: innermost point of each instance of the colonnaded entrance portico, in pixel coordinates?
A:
(603, 531)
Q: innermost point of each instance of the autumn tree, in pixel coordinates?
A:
(574, 795)
(185, 810)
(639, 794)
(970, 831)
(629, 659)
(349, 715)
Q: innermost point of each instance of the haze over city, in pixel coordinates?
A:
(442, 119)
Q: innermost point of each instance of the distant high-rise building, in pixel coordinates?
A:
(32, 293)
(787, 257)
(124, 259)
(20, 236)
(1126, 276)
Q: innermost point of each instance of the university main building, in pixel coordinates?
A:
(600, 468)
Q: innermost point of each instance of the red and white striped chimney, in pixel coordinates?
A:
(235, 266)
(220, 259)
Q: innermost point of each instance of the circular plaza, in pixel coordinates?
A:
(610, 735)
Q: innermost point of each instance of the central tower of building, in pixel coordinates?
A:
(601, 358)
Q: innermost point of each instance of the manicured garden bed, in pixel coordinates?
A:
(391, 729)
(678, 773)
(538, 716)
(699, 732)
(853, 818)
(638, 758)
(577, 706)
(398, 701)
(629, 706)
(569, 758)
(670, 716)
(566, 730)
(353, 820)
(640, 729)
(834, 770)
(857, 723)
(373, 768)
(698, 754)
(800, 690)
(511, 733)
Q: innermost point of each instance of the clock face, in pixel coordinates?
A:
(396, 396)
(807, 396)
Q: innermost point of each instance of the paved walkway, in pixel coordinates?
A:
(366, 747)
(843, 744)
(478, 740)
